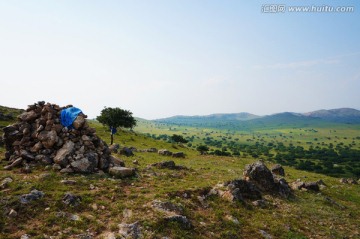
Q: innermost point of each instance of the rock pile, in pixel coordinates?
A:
(265, 180)
(39, 136)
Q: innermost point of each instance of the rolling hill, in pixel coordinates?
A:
(251, 121)
(342, 115)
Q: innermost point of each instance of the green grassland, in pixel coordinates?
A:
(106, 201)
(328, 148)
(322, 134)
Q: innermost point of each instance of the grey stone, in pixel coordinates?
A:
(167, 206)
(28, 116)
(312, 186)
(26, 155)
(259, 203)
(68, 182)
(278, 169)
(44, 159)
(48, 138)
(178, 155)
(122, 172)
(5, 182)
(297, 185)
(33, 195)
(25, 236)
(130, 231)
(261, 175)
(265, 234)
(164, 152)
(168, 164)
(114, 148)
(242, 189)
(15, 163)
(126, 151)
(79, 122)
(71, 199)
(37, 147)
(116, 161)
(62, 153)
(67, 170)
(183, 221)
(82, 165)
(13, 213)
(283, 187)
(56, 167)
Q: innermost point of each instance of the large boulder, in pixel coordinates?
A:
(242, 189)
(263, 178)
(260, 175)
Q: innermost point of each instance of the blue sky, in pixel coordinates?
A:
(165, 58)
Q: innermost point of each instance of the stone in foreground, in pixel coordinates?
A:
(122, 172)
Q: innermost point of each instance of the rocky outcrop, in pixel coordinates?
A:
(39, 137)
(257, 180)
(263, 178)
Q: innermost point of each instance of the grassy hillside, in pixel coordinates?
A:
(8, 114)
(107, 202)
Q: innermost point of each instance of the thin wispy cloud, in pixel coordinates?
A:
(309, 63)
(298, 64)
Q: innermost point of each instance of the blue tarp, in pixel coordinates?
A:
(68, 116)
(113, 130)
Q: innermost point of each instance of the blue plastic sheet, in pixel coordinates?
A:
(68, 116)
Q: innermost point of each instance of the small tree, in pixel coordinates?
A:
(116, 117)
(178, 139)
(202, 149)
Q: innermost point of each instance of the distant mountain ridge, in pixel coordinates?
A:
(248, 120)
(231, 116)
(342, 115)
